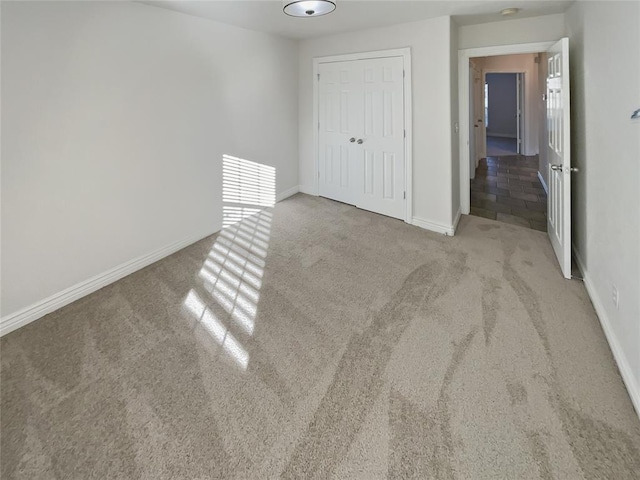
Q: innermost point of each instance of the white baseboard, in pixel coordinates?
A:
(287, 193)
(456, 220)
(630, 381)
(433, 226)
(544, 185)
(39, 309)
(308, 190)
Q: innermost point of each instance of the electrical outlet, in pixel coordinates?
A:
(615, 296)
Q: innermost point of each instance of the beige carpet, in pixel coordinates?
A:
(315, 340)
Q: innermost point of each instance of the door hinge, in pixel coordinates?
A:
(404, 133)
(404, 73)
(318, 77)
(405, 195)
(318, 173)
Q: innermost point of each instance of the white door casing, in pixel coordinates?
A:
(476, 115)
(479, 119)
(473, 126)
(519, 113)
(361, 144)
(559, 154)
(464, 56)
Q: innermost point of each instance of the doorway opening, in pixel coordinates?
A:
(508, 116)
(553, 97)
(503, 98)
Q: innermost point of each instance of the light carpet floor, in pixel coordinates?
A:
(314, 341)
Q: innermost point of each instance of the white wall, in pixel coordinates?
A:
(455, 140)
(509, 32)
(605, 88)
(521, 63)
(541, 107)
(115, 116)
(432, 100)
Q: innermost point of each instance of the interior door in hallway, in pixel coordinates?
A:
(361, 134)
(559, 154)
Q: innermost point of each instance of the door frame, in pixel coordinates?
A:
(520, 93)
(473, 162)
(405, 53)
(463, 107)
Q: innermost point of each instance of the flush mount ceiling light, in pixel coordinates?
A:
(509, 11)
(308, 8)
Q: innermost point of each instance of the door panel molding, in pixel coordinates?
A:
(559, 153)
(405, 54)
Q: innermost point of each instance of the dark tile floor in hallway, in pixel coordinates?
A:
(507, 189)
(498, 146)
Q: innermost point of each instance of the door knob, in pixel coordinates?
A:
(352, 139)
(574, 169)
(557, 168)
(360, 141)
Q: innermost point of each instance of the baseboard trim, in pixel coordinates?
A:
(287, 193)
(544, 185)
(633, 388)
(39, 309)
(308, 190)
(433, 226)
(456, 220)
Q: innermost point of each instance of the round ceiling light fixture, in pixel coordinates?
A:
(509, 11)
(308, 8)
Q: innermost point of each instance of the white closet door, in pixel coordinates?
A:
(382, 137)
(361, 134)
(340, 101)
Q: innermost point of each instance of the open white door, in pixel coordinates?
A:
(559, 154)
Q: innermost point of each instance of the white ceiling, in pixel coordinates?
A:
(267, 15)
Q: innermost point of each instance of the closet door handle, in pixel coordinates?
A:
(360, 141)
(352, 139)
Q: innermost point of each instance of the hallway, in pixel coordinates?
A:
(499, 146)
(507, 189)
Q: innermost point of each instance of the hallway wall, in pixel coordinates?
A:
(502, 104)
